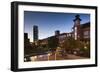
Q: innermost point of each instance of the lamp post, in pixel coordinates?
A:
(55, 55)
(48, 56)
(85, 48)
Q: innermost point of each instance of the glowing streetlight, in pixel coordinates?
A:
(85, 48)
(48, 56)
(55, 55)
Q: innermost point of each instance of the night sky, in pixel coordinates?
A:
(49, 22)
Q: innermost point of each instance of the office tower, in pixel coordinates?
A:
(35, 33)
(26, 39)
(25, 35)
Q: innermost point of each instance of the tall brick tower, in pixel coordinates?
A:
(76, 27)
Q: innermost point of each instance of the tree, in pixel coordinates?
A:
(53, 43)
(69, 44)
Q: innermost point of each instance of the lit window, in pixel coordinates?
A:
(75, 33)
(86, 34)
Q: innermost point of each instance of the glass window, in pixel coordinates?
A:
(86, 34)
(75, 33)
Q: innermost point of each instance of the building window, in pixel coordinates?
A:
(69, 35)
(86, 34)
(62, 36)
(75, 33)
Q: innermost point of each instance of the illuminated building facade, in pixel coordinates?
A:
(81, 31)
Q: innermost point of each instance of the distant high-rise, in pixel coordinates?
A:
(35, 33)
(25, 35)
(26, 39)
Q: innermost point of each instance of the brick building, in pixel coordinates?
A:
(79, 32)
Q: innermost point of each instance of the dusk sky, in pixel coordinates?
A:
(48, 22)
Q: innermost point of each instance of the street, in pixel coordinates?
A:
(48, 57)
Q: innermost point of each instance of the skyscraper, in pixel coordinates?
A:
(25, 35)
(26, 39)
(35, 33)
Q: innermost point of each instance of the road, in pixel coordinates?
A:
(48, 57)
(40, 58)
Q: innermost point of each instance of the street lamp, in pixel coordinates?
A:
(55, 55)
(48, 56)
(85, 48)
